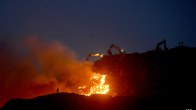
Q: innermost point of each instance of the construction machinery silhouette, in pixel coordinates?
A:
(158, 48)
(94, 55)
(109, 51)
(120, 50)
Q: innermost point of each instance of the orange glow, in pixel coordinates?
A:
(97, 86)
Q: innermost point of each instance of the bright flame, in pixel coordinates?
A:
(98, 86)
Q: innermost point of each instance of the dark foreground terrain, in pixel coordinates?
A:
(67, 101)
(154, 80)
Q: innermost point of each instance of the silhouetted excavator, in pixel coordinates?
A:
(94, 55)
(158, 48)
(121, 51)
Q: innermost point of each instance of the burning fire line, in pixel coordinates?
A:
(98, 86)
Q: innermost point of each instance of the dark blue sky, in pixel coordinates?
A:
(92, 25)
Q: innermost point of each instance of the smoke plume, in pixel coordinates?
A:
(40, 67)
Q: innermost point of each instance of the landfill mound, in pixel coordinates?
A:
(154, 80)
(156, 73)
(70, 101)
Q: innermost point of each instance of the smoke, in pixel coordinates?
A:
(39, 67)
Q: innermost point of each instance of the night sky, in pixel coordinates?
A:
(88, 26)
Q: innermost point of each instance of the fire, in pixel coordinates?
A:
(97, 86)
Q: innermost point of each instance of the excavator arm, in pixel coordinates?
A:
(158, 46)
(120, 50)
